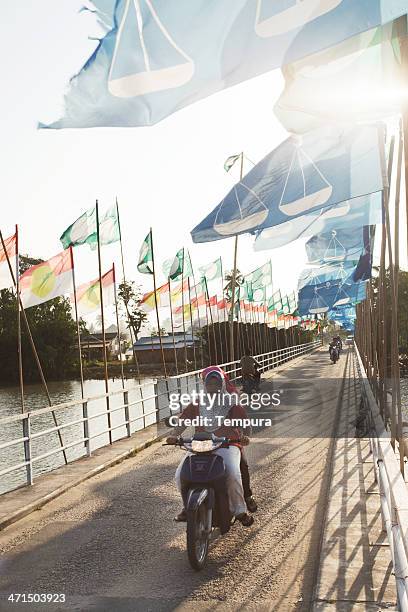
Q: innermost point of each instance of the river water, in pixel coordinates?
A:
(62, 392)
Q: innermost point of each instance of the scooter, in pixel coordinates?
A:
(205, 496)
(334, 354)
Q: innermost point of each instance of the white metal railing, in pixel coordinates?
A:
(392, 487)
(149, 405)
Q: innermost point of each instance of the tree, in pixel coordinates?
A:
(54, 333)
(130, 296)
(154, 332)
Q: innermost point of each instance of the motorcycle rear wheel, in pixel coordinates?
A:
(197, 537)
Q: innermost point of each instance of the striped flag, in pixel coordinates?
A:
(47, 280)
(11, 249)
(89, 295)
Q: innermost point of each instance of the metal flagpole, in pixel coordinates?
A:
(156, 306)
(105, 357)
(30, 337)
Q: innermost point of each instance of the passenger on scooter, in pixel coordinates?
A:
(250, 368)
(215, 383)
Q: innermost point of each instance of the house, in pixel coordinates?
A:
(92, 345)
(148, 350)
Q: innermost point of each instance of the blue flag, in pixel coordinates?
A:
(304, 174)
(319, 275)
(337, 245)
(158, 56)
(355, 213)
(322, 298)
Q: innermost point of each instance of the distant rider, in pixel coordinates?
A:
(250, 368)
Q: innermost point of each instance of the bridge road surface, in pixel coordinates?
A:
(111, 545)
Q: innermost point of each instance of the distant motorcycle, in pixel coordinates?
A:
(204, 490)
(334, 353)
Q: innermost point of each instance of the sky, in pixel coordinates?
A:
(168, 176)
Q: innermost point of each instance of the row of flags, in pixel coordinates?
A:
(195, 301)
(187, 299)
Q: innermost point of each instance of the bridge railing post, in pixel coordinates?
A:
(27, 448)
(127, 414)
(85, 416)
(156, 404)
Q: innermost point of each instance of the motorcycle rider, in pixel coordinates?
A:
(334, 346)
(215, 383)
(249, 368)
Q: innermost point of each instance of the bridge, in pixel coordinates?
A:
(330, 533)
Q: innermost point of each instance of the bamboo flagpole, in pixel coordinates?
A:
(172, 327)
(29, 469)
(19, 347)
(117, 325)
(16, 284)
(132, 339)
(234, 278)
(198, 318)
(211, 319)
(105, 357)
(191, 322)
(225, 318)
(81, 370)
(396, 299)
(156, 306)
(183, 315)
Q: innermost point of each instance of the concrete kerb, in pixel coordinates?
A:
(13, 516)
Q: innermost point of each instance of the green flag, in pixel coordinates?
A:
(259, 294)
(211, 271)
(83, 230)
(108, 228)
(80, 231)
(179, 266)
(261, 277)
(230, 161)
(285, 305)
(275, 302)
(145, 265)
